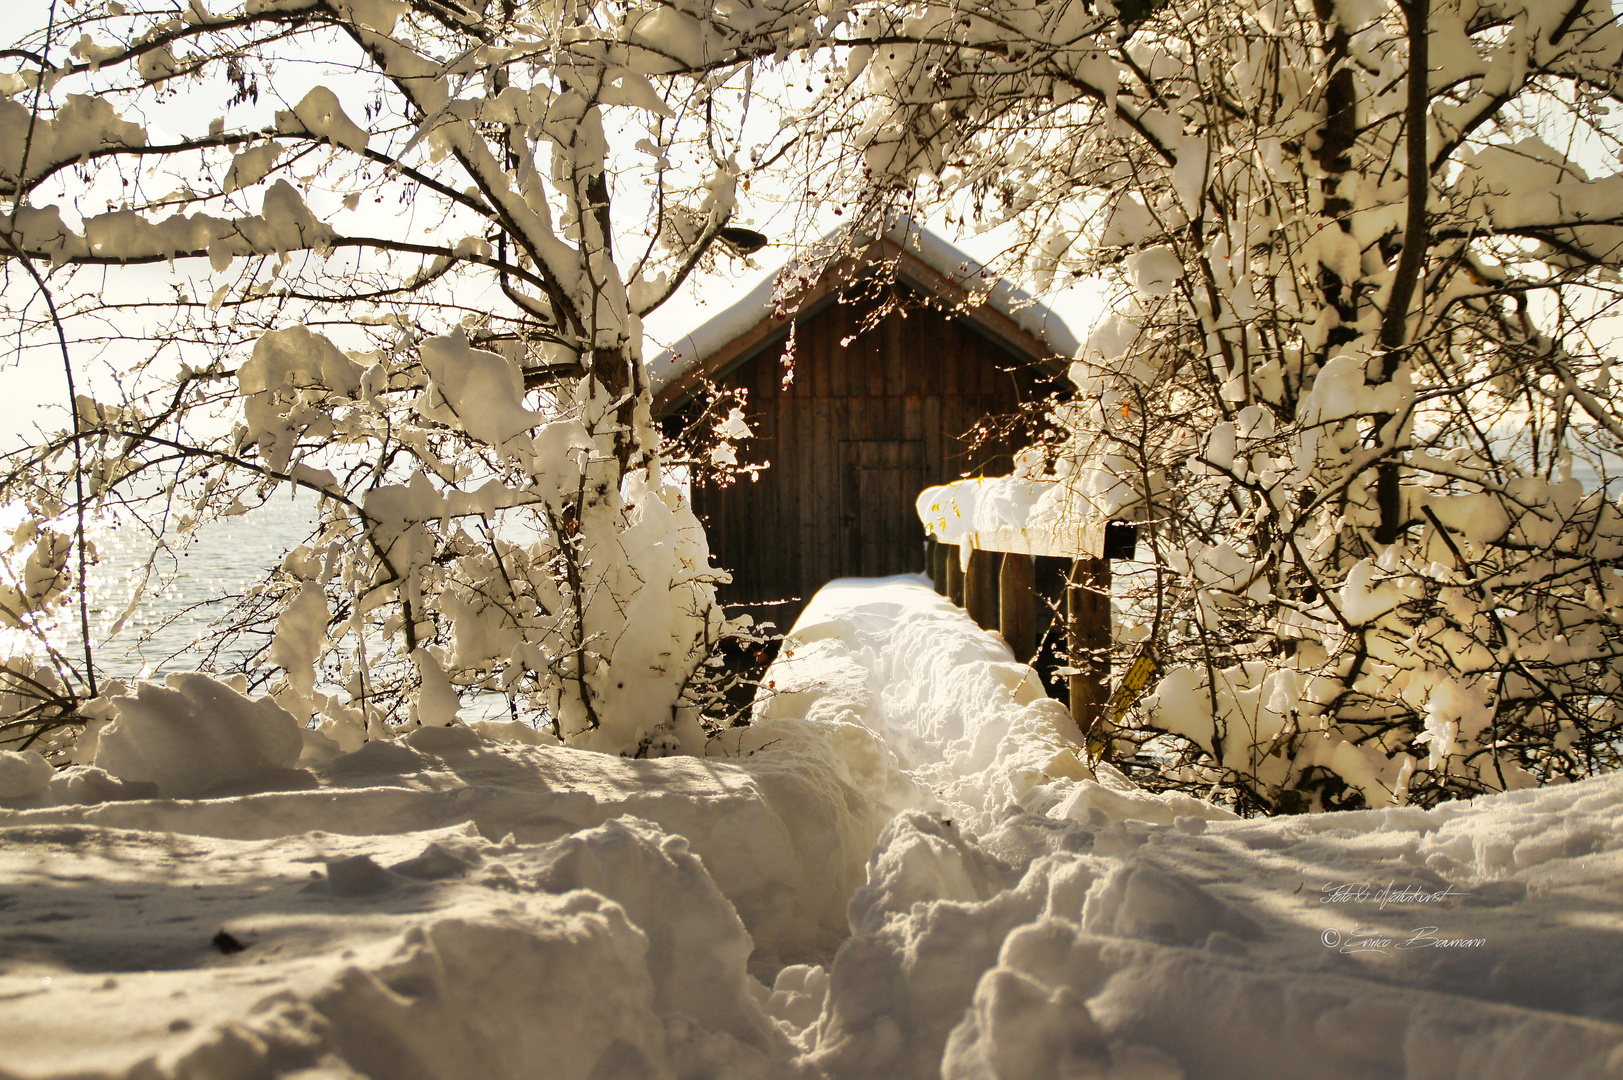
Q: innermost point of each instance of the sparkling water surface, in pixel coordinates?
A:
(191, 583)
(190, 586)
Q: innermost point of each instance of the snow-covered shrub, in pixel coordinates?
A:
(413, 286)
(1356, 379)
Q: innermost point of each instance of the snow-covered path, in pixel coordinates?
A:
(900, 870)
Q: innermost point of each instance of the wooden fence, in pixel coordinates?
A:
(999, 589)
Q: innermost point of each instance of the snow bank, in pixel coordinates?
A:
(899, 871)
(929, 711)
(782, 836)
(196, 736)
(437, 954)
(1281, 948)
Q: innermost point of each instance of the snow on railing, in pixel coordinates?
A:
(1023, 518)
(1015, 514)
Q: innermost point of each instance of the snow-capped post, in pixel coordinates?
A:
(1355, 383)
(416, 278)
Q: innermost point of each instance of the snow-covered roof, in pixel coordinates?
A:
(945, 269)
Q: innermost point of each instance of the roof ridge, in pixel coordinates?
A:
(908, 234)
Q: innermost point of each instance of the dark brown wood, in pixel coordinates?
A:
(938, 565)
(1017, 605)
(955, 575)
(981, 588)
(870, 419)
(1087, 639)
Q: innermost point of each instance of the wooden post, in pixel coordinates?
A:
(1017, 605)
(1087, 638)
(981, 588)
(938, 564)
(954, 575)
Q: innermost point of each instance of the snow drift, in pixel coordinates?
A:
(898, 871)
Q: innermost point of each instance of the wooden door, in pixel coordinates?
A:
(880, 531)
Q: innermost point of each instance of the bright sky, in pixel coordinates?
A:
(33, 392)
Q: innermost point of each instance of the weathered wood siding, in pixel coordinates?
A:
(861, 429)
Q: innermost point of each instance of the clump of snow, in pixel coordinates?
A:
(473, 390)
(1058, 516)
(438, 701)
(290, 370)
(1129, 223)
(1481, 518)
(84, 124)
(319, 113)
(953, 512)
(23, 775)
(1153, 270)
(295, 358)
(85, 784)
(380, 15)
(301, 633)
(195, 735)
(251, 166)
(284, 225)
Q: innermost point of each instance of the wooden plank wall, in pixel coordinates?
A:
(852, 439)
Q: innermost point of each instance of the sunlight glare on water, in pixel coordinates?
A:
(189, 586)
(192, 584)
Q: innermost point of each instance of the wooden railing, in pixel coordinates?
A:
(999, 590)
(992, 569)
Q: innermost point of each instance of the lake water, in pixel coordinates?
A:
(191, 585)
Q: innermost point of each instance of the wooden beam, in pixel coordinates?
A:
(1062, 540)
(1087, 639)
(981, 588)
(1017, 605)
(938, 564)
(955, 575)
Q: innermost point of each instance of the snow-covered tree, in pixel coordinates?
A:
(1355, 379)
(1356, 375)
(396, 254)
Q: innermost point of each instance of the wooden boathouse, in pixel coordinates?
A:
(895, 371)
